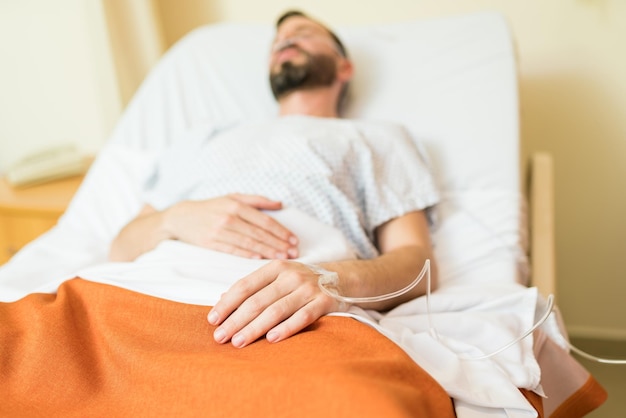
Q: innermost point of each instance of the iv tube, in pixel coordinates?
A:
(331, 279)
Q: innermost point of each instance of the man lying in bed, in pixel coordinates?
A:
(367, 179)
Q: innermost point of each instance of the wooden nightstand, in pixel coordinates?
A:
(29, 212)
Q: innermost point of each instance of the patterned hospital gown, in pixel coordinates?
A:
(352, 174)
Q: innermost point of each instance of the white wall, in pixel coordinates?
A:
(56, 79)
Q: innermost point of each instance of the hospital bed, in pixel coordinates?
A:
(82, 339)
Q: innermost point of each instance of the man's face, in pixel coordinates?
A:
(303, 56)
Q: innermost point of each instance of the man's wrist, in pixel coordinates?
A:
(166, 221)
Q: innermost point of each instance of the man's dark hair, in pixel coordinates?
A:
(340, 47)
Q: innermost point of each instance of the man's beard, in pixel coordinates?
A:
(319, 70)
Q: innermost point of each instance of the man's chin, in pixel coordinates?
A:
(280, 64)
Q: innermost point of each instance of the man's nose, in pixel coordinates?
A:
(284, 43)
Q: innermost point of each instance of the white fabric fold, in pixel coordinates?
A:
(468, 323)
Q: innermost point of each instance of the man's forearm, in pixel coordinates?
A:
(385, 274)
(141, 235)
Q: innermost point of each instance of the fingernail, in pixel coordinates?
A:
(281, 256)
(213, 318)
(219, 335)
(293, 240)
(238, 340)
(293, 253)
(272, 336)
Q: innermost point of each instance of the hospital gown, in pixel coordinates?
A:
(351, 174)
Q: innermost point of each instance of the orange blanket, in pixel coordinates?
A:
(98, 350)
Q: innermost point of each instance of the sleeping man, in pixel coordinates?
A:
(366, 179)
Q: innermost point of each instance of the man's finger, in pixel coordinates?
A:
(257, 201)
(267, 223)
(259, 238)
(282, 310)
(242, 290)
(256, 316)
(301, 319)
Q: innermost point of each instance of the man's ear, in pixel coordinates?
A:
(345, 70)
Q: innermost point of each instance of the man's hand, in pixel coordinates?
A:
(283, 297)
(233, 224)
(277, 300)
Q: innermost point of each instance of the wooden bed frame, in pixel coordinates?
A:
(541, 219)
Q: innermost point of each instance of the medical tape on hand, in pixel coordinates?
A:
(328, 282)
(326, 277)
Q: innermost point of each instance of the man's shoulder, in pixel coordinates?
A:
(380, 128)
(377, 124)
